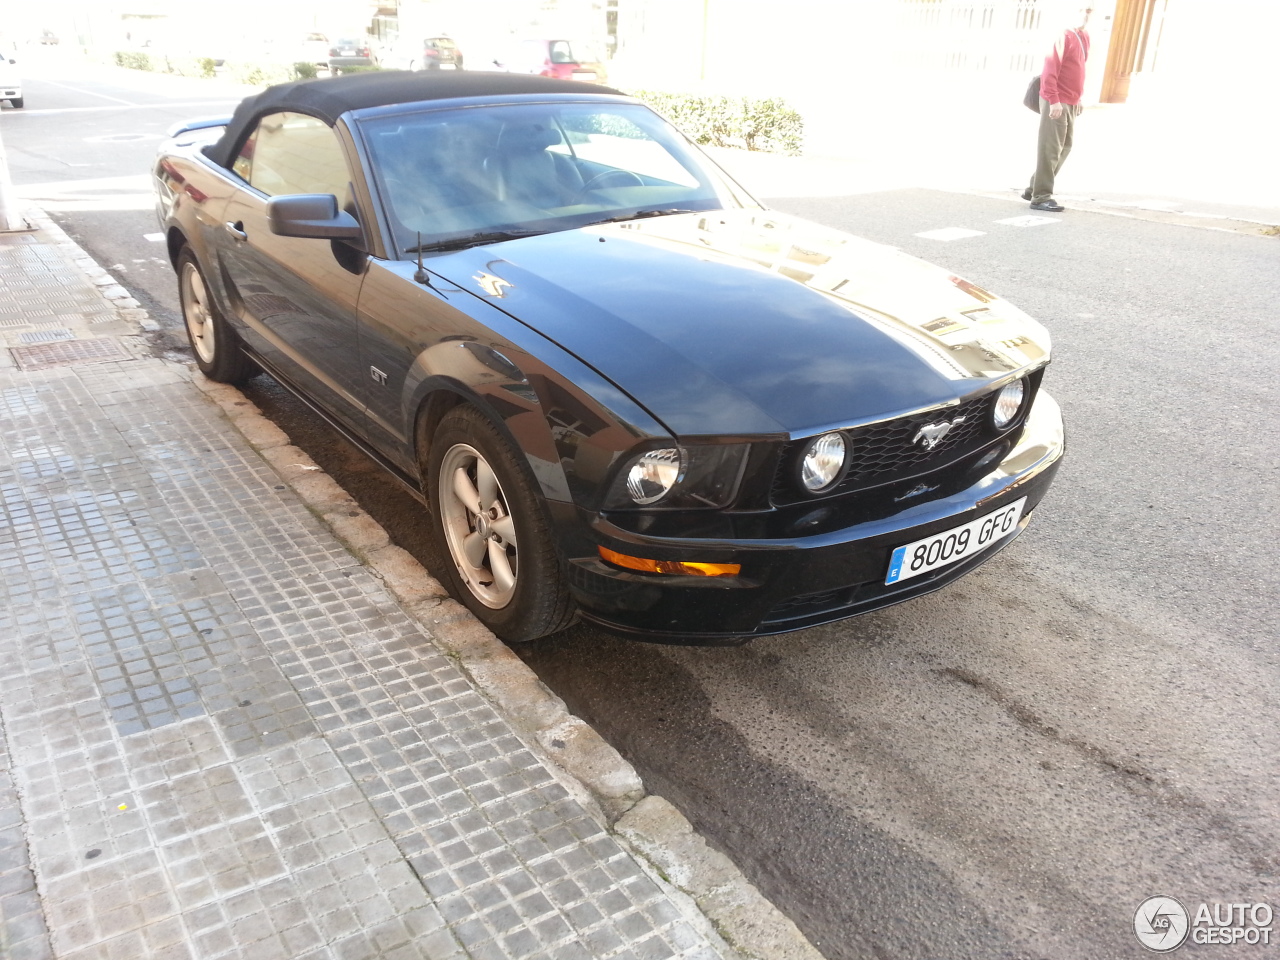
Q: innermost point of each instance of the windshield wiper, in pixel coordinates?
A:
(472, 240)
(640, 215)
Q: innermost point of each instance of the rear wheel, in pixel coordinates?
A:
(495, 536)
(215, 345)
(18, 102)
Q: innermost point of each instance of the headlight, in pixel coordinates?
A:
(653, 475)
(1008, 404)
(690, 477)
(823, 462)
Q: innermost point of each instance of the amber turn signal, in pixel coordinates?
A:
(670, 566)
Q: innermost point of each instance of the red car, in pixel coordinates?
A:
(550, 58)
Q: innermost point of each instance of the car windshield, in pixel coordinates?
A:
(482, 174)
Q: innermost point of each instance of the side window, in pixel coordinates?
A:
(244, 160)
(293, 153)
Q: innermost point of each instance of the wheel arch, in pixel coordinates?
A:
(175, 240)
(525, 428)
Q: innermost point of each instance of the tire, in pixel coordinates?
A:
(498, 556)
(214, 344)
(17, 102)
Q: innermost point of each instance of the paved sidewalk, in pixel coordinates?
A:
(224, 737)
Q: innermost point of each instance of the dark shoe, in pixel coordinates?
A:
(1049, 206)
(1026, 194)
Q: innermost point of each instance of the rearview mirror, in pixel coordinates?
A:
(312, 216)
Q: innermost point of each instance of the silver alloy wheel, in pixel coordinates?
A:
(478, 526)
(195, 310)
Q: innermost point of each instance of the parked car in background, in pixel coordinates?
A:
(433, 53)
(314, 49)
(620, 386)
(350, 52)
(10, 81)
(48, 39)
(549, 58)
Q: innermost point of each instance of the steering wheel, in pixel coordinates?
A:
(626, 178)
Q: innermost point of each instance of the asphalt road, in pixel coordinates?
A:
(1006, 768)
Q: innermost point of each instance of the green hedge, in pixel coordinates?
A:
(258, 74)
(242, 71)
(134, 60)
(770, 125)
(205, 67)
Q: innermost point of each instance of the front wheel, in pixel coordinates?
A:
(214, 344)
(18, 102)
(499, 556)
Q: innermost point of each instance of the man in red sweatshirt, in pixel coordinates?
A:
(1061, 89)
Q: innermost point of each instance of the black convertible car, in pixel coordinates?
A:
(624, 389)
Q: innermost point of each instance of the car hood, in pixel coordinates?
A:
(753, 322)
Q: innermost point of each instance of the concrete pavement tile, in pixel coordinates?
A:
(204, 588)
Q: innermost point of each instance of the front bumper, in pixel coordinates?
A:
(792, 582)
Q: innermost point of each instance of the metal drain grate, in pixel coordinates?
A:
(41, 356)
(46, 336)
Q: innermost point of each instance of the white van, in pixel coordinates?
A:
(10, 83)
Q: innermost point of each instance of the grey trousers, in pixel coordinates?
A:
(1052, 146)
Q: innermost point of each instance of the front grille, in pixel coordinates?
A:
(889, 451)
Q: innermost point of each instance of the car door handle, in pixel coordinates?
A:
(236, 230)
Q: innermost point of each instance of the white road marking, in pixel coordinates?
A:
(153, 237)
(48, 111)
(132, 192)
(950, 233)
(1027, 221)
(92, 93)
(131, 182)
(124, 137)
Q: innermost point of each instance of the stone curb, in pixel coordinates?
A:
(659, 832)
(590, 767)
(127, 308)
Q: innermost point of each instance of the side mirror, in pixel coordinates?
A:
(313, 216)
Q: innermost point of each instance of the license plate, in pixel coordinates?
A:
(448, 66)
(955, 544)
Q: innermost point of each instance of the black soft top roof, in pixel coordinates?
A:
(331, 97)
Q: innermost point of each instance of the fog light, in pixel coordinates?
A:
(1008, 404)
(823, 462)
(670, 566)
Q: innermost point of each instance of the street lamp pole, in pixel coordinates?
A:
(706, 16)
(10, 220)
